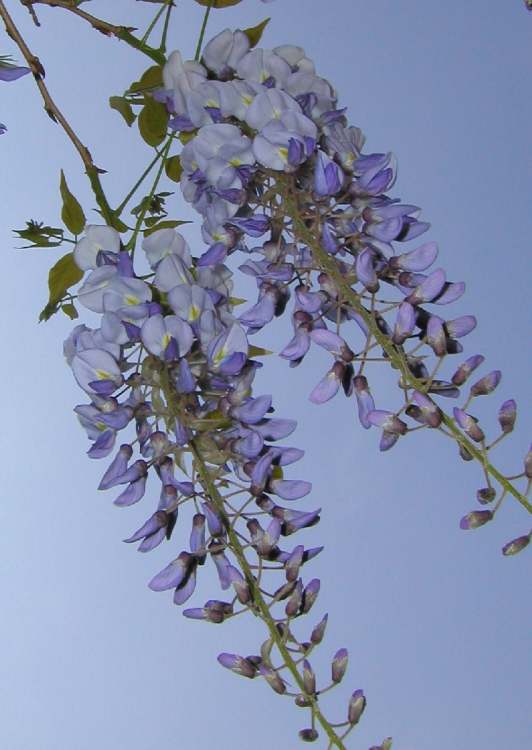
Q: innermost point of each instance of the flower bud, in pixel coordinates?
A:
(339, 665)
(318, 632)
(293, 563)
(516, 545)
(475, 519)
(507, 415)
(308, 735)
(357, 704)
(284, 591)
(487, 384)
(237, 664)
(310, 594)
(528, 463)
(466, 368)
(468, 424)
(272, 678)
(294, 603)
(486, 495)
(309, 678)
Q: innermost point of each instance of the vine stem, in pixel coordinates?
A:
(104, 27)
(202, 31)
(395, 355)
(138, 183)
(162, 155)
(261, 607)
(93, 172)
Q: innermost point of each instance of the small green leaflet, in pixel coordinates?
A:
(71, 213)
(40, 235)
(254, 33)
(218, 3)
(258, 351)
(121, 105)
(170, 224)
(64, 274)
(152, 78)
(173, 169)
(153, 121)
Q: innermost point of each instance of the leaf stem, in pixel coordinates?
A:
(202, 31)
(162, 155)
(153, 23)
(137, 184)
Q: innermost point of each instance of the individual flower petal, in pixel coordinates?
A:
(97, 240)
(172, 575)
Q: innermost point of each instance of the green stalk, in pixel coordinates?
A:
(135, 187)
(202, 31)
(162, 155)
(395, 354)
(152, 24)
(162, 46)
(261, 608)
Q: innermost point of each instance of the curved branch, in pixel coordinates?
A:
(104, 27)
(53, 111)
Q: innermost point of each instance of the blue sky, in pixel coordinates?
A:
(436, 621)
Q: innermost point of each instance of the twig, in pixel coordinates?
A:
(104, 27)
(57, 116)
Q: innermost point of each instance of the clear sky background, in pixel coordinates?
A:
(437, 622)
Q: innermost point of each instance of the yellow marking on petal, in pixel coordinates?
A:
(166, 340)
(235, 161)
(247, 99)
(194, 312)
(222, 354)
(100, 426)
(283, 153)
(130, 299)
(103, 375)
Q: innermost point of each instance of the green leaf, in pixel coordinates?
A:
(254, 33)
(173, 169)
(170, 224)
(185, 136)
(39, 235)
(70, 310)
(258, 351)
(123, 107)
(152, 78)
(235, 301)
(153, 121)
(218, 3)
(71, 213)
(64, 274)
(151, 220)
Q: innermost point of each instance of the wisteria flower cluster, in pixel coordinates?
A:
(170, 363)
(269, 155)
(272, 154)
(288, 197)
